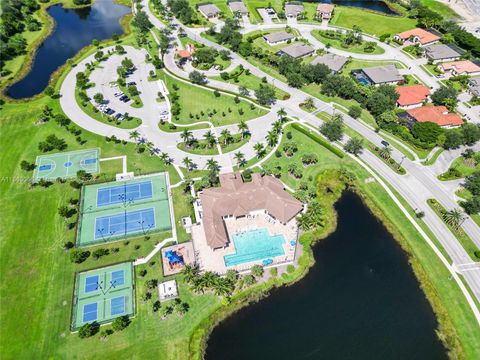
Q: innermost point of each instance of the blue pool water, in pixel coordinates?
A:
(255, 245)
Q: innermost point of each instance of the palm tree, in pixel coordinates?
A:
(190, 273)
(165, 158)
(271, 138)
(281, 113)
(154, 151)
(188, 163)
(259, 149)
(240, 158)
(277, 127)
(186, 135)
(212, 165)
(223, 287)
(385, 152)
(227, 136)
(243, 129)
(454, 218)
(303, 222)
(209, 138)
(134, 135)
(209, 279)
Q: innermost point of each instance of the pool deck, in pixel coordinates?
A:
(213, 260)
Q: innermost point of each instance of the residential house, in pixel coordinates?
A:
(278, 37)
(324, 11)
(378, 75)
(208, 10)
(297, 51)
(436, 114)
(418, 36)
(294, 10)
(412, 96)
(462, 67)
(334, 62)
(238, 7)
(442, 52)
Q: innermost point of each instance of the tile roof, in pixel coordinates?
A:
(184, 53)
(463, 66)
(383, 74)
(424, 36)
(297, 50)
(234, 197)
(293, 9)
(436, 114)
(278, 36)
(238, 6)
(441, 51)
(325, 8)
(209, 9)
(410, 95)
(332, 61)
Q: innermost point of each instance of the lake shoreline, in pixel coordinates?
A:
(444, 331)
(46, 31)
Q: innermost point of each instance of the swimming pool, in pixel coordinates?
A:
(255, 245)
(362, 79)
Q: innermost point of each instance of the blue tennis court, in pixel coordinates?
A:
(89, 161)
(91, 283)
(124, 223)
(117, 306)
(90, 312)
(124, 193)
(118, 278)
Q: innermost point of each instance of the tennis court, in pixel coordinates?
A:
(120, 210)
(103, 294)
(66, 164)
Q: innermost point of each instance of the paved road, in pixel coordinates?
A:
(418, 185)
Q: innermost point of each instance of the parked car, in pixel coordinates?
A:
(131, 83)
(385, 143)
(117, 94)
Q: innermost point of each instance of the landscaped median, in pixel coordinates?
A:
(453, 221)
(351, 42)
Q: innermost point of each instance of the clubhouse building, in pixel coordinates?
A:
(245, 223)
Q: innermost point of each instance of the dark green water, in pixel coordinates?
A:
(74, 29)
(361, 300)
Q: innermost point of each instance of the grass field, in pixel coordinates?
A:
(251, 82)
(446, 11)
(194, 100)
(337, 43)
(370, 22)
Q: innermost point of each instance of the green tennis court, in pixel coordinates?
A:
(66, 164)
(103, 294)
(124, 209)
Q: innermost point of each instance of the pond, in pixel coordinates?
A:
(360, 300)
(74, 29)
(375, 5)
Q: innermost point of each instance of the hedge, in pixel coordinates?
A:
(319, 140)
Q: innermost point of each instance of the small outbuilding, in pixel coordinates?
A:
(167, 290)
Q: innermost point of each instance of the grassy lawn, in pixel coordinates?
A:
(182, 208)
(337, 43)
(467, 195)
(445, 296)
(251, 82)
(201, 148)
(444, 10)
(371, 22)
(460, 169)
(462, 237)
(193, 101)
(167, 127)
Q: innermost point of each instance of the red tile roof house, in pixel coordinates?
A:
(436, 114)
(324, 11)
(234, 198)
(462, 67)
(417, 36)
(412, 96)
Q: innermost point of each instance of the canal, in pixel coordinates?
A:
(74, 29)
(360, 300)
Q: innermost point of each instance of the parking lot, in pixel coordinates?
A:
(116, 103)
